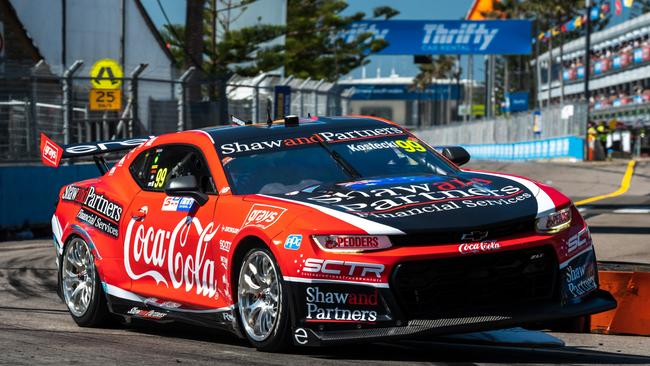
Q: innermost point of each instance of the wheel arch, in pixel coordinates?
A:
(243, 246)
(76, 231)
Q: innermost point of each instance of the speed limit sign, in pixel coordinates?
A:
(105, 100)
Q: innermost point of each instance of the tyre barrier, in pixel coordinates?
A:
(629, 283)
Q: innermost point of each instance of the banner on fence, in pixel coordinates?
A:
(405, 92)
(562, 147)
(516, 102)
(461, 37)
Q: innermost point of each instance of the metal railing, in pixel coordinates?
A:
(36, 100)
(517, 127)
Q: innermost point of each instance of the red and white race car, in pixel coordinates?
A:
(316, 231)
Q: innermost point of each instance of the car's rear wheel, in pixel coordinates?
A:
(263, 305)
(80, 285)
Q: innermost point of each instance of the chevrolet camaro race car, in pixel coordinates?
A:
(313, 232)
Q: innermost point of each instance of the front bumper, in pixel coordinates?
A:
(450, 296)
(596, 302)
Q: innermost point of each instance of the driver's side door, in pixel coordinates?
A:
(167, 251)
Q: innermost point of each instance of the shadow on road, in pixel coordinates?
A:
(404, 351)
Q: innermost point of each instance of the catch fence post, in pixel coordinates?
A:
(256, 99)
(182, 107)
(133, 95)
(67, 99)
(302, 94)
(33, 108)
(320, 82)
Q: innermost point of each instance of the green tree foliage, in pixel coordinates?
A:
(314, 46)
(227, 51)
(209, 42)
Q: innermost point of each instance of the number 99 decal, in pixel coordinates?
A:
(410, 146)
(160, 178)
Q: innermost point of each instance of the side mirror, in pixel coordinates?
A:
(186, 186)
(456, 154)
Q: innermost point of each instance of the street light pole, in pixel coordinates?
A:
(587, 74)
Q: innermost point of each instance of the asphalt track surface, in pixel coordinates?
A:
(620, 225)
(35, 327)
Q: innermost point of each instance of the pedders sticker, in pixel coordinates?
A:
(263, 216)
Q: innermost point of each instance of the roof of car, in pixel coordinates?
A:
(306, 127)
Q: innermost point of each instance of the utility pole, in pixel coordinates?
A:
(587, 73)
(549, 74)
(470, 93)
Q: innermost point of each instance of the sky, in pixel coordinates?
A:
(409, 9)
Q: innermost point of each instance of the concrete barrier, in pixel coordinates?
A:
(28, 192)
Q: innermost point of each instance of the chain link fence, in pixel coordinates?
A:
(34, 99)
(517, 127)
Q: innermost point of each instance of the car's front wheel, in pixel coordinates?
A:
(263, 307)
(80, 285)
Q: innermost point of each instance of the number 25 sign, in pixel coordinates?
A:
(105, 100)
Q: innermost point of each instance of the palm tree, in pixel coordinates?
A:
(442, 67)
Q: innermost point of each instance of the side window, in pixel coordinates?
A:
(139, 168)
(153, 168)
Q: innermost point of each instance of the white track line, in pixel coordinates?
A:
(632, 211)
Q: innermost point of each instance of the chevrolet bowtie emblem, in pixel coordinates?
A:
(474, 236)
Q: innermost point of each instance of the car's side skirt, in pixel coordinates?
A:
(131, 305)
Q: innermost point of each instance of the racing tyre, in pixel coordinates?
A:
(81, 286)
(263, 302)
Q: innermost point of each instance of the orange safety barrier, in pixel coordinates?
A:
(632, 315)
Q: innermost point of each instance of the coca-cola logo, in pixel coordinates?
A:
(479, 247)
(163, 250)
(263, 216)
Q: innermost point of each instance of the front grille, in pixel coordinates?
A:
(454, 236)
(475, 283)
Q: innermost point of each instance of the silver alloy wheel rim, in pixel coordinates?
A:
(259, 295)
(78, 273)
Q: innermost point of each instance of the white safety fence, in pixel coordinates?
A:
(509, 129)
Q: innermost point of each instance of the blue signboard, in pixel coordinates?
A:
(516, 102)
(405, 92)
(282, 101)
(417, 37)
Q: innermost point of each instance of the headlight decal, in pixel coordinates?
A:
(554, 222)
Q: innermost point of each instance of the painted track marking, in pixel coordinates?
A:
(625, 185)
(632, 211)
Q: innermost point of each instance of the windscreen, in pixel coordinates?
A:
(278, 167)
